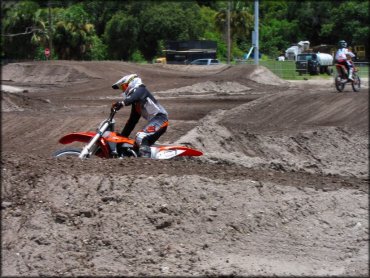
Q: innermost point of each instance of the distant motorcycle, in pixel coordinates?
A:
(341, 78)
(106, 143)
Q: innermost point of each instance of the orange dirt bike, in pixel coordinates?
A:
(341, 78)
(106, 143)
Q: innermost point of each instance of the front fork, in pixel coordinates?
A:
(90, 148)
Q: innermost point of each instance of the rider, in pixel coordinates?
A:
(341, 57)
(143, 104)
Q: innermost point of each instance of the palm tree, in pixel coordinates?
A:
(40, 35)
(73, 34)
(241, 21)
(72, 40)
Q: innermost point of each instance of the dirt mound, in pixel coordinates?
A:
(44, 73)
(64, 72)
(256, 73)
(20, 102)
(292, 110)
(207, 88)
(284, 133)
(265, 76)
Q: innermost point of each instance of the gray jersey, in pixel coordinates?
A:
(143, 104)
(149, 106)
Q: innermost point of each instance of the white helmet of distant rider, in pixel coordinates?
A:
(128, 83)
(342, 44)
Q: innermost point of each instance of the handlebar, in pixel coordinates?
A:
(113, 112)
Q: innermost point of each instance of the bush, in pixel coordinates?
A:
(137, 57)
(98, 49)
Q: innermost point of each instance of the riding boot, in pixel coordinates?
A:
(145, 151)
(113, 147)
(350, 74)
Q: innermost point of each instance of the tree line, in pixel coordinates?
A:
(138, 30)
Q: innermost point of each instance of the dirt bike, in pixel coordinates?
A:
(106, 143)
(341, 78)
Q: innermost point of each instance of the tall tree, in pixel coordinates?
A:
(207, 16)
(121, 35)
(73, 33)
(168, 21)
(86, 29)
(276, 32)
(349, 21)
(241, 24)
(277, 35)
(101, 11)
(241, 20)
(18, 26)
(41, 37)
(310, 17)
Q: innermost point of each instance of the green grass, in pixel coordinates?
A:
(286, 70)
(363, 70)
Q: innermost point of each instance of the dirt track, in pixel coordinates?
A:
(281, 190)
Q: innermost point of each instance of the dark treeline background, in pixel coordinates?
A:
(138, 30)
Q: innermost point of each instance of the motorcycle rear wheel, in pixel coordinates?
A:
(356, 83)
(338, 84)
(67, 152)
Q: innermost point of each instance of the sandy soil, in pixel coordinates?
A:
(281, 190)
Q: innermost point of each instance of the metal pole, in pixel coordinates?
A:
(256, 47)
(50, 33)
(228, 34)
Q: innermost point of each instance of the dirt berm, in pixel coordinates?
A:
(282, 188)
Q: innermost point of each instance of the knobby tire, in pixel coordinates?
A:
(356, 84)
(67, 152)
(339, 85)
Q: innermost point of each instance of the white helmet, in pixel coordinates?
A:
(128, 83)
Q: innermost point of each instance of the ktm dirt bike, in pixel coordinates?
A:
(341, 78)
(106, 143)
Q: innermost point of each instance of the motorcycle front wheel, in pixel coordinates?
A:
(339, 85)
(356, 83)
(67, 152)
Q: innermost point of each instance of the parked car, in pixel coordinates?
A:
(205, 62)
(161, 60)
